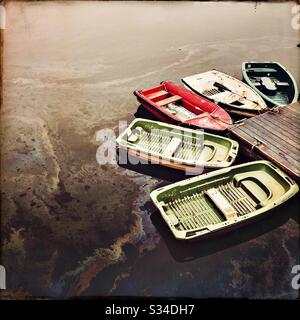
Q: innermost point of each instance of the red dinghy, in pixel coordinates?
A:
(174, 104)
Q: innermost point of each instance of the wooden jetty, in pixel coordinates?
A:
(273, 135)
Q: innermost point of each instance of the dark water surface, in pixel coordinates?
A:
(72, 227)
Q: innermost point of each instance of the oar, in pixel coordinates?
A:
(205, 113)
(222, 87)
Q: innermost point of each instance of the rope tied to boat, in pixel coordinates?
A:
(257, 143)
(238, 123)
(276, 109)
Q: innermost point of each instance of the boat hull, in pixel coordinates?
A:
(146, 158)
(184, 149)
(215, 202)
(272, 81)
(188, 110)
(230, 93)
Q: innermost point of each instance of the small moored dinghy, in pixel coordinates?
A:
(177, 147)
(174, 104)
(229, 92)
(272, 81)
(221, 199)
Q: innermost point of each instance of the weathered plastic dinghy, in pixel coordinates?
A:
(177, 147)
(230, 93)
(272, 81)
(173, 104)
(222, 199)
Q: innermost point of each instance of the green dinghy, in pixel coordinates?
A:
(222, 199)
(177, 147)
(272, 81)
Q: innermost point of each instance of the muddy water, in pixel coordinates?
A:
(72, 227)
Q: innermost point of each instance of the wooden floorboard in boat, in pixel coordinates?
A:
(279, 133)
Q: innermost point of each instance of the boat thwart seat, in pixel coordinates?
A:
(168, 100)
(221, 203)
(282, 84)
(172, 147)
(264, 70)
(268, 85)
(156, 94)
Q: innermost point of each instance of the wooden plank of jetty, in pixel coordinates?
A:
(274, 136)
